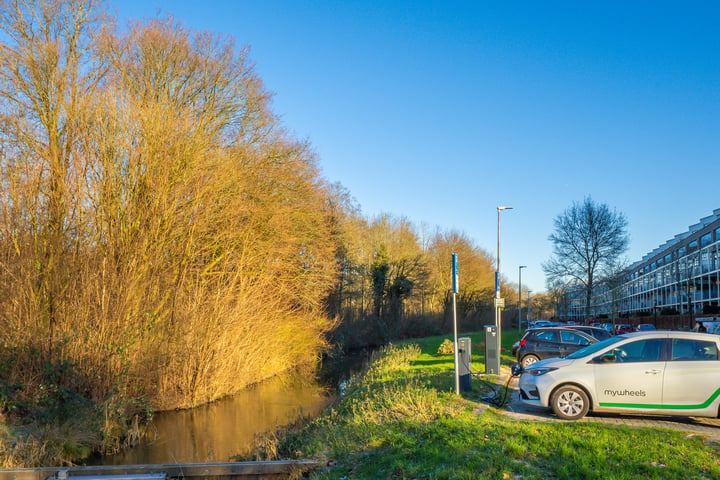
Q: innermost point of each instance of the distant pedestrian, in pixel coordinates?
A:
(701, 327)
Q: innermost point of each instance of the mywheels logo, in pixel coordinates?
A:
(625, 393)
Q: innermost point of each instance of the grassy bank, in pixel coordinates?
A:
(402, 420)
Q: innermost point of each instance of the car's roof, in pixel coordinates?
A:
(559, 327)
(669, 333)
(554, 327)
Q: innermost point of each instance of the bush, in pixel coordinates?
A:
(447, 347)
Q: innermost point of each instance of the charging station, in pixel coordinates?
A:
(464, 367)
(492, 350)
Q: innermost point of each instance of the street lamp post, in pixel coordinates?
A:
(498, 300)
(520, 298)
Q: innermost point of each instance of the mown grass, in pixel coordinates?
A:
(403, 420)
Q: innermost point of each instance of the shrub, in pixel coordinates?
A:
(447, 347)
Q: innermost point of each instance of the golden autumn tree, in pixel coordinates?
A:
(215, 214)
(477, 280)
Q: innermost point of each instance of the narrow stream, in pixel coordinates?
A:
(223, 429)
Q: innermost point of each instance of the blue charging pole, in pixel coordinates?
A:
(455, 333)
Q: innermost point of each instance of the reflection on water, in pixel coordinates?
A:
(223, 429)
(217, 432)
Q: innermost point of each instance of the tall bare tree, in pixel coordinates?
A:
(213, 215)
(49, 70)
(397, 269)
(588, 239)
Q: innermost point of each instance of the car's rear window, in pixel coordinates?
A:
(547, 335)
(573, 338)
(692, 350)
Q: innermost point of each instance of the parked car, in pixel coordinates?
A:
(710, 323)
(539, 323)
(607, 326)
(547, 342)
(710, 326)
(654, 372)
(622, 328)
(595, 332)
(644, 327)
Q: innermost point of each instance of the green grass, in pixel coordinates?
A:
(403, 420)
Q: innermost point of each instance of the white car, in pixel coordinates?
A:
(658, 373)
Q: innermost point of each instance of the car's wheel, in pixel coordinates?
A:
(570, 402)
(528, 360)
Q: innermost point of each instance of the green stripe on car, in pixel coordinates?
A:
(705, 404)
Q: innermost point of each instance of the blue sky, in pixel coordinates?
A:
(441, 111)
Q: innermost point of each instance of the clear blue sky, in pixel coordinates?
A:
(441, 111)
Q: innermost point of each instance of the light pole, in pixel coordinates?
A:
(498, 300)
(520, 298)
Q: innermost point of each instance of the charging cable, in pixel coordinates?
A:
(500, 396)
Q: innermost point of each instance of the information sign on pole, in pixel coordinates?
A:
(455, 273)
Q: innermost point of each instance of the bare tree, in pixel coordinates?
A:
(48, 71)
(398, 267)
(588, 239)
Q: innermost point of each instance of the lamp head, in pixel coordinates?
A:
(504, 208)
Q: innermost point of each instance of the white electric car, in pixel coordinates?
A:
(655, 372)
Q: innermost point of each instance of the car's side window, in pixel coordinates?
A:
(547, 336)
(573, 338)
(640, 351)
(688, 350)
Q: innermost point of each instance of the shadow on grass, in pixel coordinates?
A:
(447, 361)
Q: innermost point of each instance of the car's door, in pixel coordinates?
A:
(692, 376)
(631, 375)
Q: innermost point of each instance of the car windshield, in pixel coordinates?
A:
(595, 347)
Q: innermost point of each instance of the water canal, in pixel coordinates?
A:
(219, 431)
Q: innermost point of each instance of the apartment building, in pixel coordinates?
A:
(680, 277)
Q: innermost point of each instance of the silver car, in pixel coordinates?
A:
(658, 373)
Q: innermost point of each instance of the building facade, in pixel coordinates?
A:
(680, 277)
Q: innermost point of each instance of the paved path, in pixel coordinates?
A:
(708, 427)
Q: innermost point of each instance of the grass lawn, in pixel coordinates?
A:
(402, 420)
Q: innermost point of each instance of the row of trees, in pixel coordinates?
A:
(394, 281)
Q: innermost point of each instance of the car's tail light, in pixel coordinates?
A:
(523, 342)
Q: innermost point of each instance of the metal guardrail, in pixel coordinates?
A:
(63, 475)
(278, 469)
